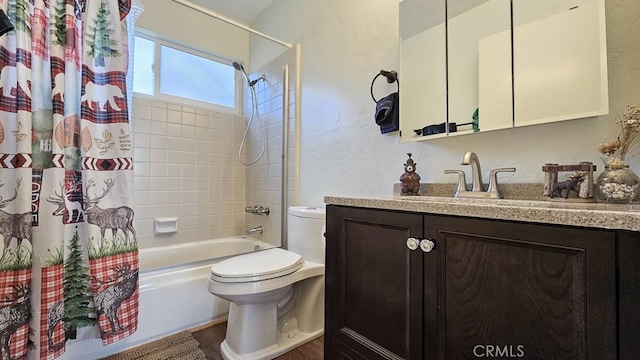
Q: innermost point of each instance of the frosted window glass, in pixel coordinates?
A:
(144, 53)
(194, 77)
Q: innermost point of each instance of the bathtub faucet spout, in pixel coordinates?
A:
(255, 230)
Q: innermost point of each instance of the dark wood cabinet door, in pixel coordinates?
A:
(373, 283)
(341, 352)
(505, 289)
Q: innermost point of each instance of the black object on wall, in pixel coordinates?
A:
(5, 23)
(387, 113)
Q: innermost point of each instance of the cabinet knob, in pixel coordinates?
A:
(413, 243)
(427, 245)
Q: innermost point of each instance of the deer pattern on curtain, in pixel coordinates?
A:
(69, 262)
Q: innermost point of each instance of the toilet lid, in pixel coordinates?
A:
(256, 266)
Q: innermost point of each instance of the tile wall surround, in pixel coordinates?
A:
(264, 179)
(186, 166)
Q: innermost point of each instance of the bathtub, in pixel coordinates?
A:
(173, 292)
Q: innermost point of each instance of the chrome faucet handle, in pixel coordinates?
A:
(462, 182)
(493, 182)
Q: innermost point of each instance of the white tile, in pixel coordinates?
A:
(174, 157)
(141, 198)
(141, 112)
(141, 183)
(174, 143)
(158, 170)
(142, 126)
(141, 169)
(174, 116)
(189, 196)
(189, 119)
(158, 142)
(137, 101)
(174, 107)
(159, 114)
(188, 209)
(159, 104)
(141, 140)
(174, 197)
(174, 183)
(188, 222)
(142, 155)
(188, 170)
(158, 156)
(174, 130)
(202, 121)
(158, 128)
(188, 157)
(158, 198)
(158, 184)
(188, 132)
(189, 145)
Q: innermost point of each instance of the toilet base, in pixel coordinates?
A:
(286, 342)
(293, 316)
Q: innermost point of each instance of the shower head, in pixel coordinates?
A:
(240, 68)
(237, 66)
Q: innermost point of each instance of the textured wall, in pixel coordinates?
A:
(181, 24)
(345, 43)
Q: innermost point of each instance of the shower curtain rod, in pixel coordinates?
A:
(214, 14)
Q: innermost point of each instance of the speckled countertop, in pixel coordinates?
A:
(595, 215)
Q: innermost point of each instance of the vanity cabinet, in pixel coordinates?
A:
(487, 287)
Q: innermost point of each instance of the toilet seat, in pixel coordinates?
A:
(257, 266)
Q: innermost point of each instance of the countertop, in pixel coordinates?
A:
(593, 215)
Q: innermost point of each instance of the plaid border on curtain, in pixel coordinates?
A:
(110, 289)
(18, 307)
(52, 303)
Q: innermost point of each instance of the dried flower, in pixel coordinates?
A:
(627, 140)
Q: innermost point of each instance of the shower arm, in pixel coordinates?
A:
(214, 14)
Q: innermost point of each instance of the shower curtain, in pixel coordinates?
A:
(69, 260)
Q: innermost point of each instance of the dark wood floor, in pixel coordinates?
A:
(210, 339)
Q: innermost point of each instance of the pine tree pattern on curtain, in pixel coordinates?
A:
(69, 264)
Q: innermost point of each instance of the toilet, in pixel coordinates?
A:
(276, 296)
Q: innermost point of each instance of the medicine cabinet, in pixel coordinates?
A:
(471, 66)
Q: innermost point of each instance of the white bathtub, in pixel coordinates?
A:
(173, 292)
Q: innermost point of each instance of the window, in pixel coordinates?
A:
(176, 73)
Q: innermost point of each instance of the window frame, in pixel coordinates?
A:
(158, 42)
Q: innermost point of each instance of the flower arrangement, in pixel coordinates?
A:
(627, 140)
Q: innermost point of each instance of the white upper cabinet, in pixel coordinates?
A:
(479, 65)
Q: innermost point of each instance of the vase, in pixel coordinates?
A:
(617, 184)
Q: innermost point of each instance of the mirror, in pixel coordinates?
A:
(423, 104)
(467, 71)
(566, 41)
(479, 64)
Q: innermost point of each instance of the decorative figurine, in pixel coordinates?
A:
(410, 180)
(564, 188)
(577, 187)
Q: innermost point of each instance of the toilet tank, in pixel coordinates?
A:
(305, 232)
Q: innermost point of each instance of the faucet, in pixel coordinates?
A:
(255, 230)
(477, 187)
(470, 158)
